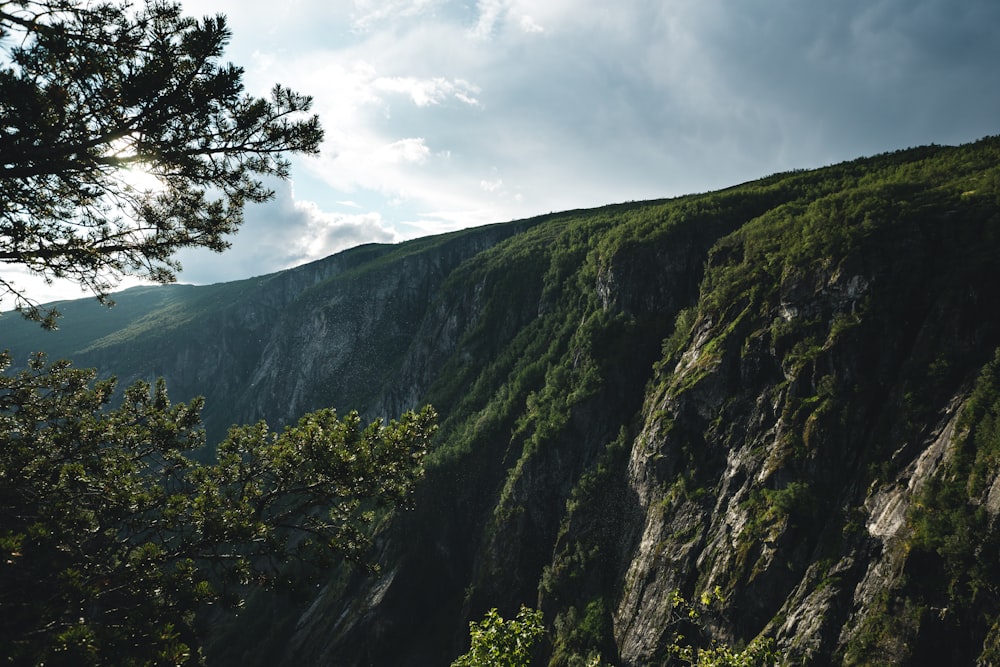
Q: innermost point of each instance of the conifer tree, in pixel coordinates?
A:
(114, 538)
(93, 94)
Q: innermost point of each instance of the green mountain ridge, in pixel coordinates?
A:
(786, 390)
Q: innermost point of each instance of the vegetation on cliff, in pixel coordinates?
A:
(782, 395)
(781, 391)
(746, 426)
(733, 390)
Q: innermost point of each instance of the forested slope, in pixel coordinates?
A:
(789, 390)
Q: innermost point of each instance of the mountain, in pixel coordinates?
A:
(786, 392)
(332, 332)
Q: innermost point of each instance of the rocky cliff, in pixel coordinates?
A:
(787, 393)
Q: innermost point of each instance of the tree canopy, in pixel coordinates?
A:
(496, 642)
(113, 538)
(93, 94)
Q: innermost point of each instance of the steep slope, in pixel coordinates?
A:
(759, 389)
(789, 443)
(274, 347)
(787, 390)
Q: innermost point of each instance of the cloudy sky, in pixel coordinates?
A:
(445, 114)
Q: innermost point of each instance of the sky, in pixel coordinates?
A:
(442, 115)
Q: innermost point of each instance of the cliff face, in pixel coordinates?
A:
(786, 391)
(785, 448)
(764, 390)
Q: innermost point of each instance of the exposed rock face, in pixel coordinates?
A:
(782, 390)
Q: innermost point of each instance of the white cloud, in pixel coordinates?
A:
(426, 92)
(282, 233)
(328, 233)
(494, 15)
(368, 14)
(528, 25)
(413, 150)
(492, 185)
(490, 13)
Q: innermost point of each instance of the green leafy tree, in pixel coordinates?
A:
(496, 642)
(113, 540)
(93, 93)
(688, 615)
(500, 643)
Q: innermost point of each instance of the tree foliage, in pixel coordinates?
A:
(113, 539)
(500, 643)
(92, 94)
(692, 617)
